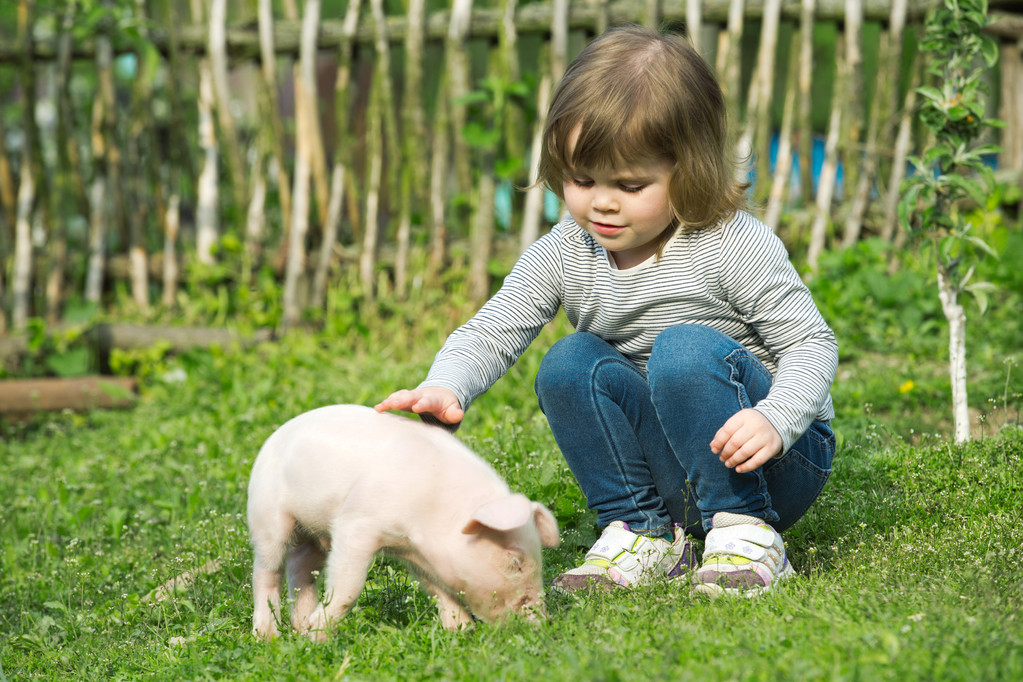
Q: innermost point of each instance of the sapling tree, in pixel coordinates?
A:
(951, 172)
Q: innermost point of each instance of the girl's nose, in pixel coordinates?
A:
(604, 201)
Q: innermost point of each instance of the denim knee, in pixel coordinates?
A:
(686, 351)
(564, 365)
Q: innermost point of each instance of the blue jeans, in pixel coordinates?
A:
(639, 444)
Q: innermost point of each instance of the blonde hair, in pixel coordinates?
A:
(636, 95)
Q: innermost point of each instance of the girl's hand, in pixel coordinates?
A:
(746, 441)
(440, 402)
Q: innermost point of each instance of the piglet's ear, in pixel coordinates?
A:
(504, 514)
(546, 524)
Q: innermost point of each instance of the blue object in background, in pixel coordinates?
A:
(551, 206)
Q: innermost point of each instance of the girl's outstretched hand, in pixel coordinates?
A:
(437, 401)
(746, 441)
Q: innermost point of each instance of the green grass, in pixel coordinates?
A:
(909, 565)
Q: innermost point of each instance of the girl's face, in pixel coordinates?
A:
(625, 209)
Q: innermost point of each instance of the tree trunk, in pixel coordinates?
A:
(880, 135)
(8, 193)
(69, 188)
(255, 218)
(275, 134)
(694, 23)
(829, 170)
(782, 175)
(1011, 107)
(458, 80)
(761, 124)
(652, 15)
(342, 155)
(97, 237)
(852, 122)
(178, 164)
(729, 58)
(207, 225)
(385, 110)
(207, 217)
(413, 132)
(559, 39)
(482, 238)
(533, 211)
(439, 155)
(103, 162)
(956, 352)
(228, 138)
(805, 114)
(171, 225)
(21, 285)
(144, 182)
(903, 142)
(3, 313)
(374, 180)
(305, 89)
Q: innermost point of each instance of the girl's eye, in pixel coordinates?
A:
(632, 189)
(582, 182)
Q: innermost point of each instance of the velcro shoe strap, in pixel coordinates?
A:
(747, 540)
(611, 543)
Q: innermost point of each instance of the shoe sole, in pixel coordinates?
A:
(713, 590)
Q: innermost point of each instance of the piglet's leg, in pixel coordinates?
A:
(349, 560)
(303, 562)
(270, 531)
(266, 589)
(453, 615)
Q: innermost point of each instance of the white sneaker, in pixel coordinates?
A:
(743, 555)
(623, 558)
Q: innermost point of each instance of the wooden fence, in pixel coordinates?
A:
(319, 145)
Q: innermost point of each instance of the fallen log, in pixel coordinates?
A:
(128, 336)
(104, 338)
(26, 396)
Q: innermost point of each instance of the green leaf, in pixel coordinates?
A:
(958, 112)
(971, 187)
(71, 363)
(506, 168)
(989, 50)
(980, 291)
(987, 149)
(936, 153)
(474, 97)
(478, 136)
(907, 205)
(980, 244)
(931, 93)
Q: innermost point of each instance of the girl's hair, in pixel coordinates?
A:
(637, 95)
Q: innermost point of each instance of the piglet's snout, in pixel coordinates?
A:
(533, 611)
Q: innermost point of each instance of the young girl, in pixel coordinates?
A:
(694, 396)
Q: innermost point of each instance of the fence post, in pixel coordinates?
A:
(829, 170)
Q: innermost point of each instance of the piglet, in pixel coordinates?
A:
(336, 485)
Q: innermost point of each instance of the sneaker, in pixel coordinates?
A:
(623, 558)
(742, 556)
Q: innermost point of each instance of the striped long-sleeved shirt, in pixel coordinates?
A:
(735, 278)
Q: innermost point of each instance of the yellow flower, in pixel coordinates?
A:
(907, 387)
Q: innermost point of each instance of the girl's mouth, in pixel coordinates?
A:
(605, 229)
